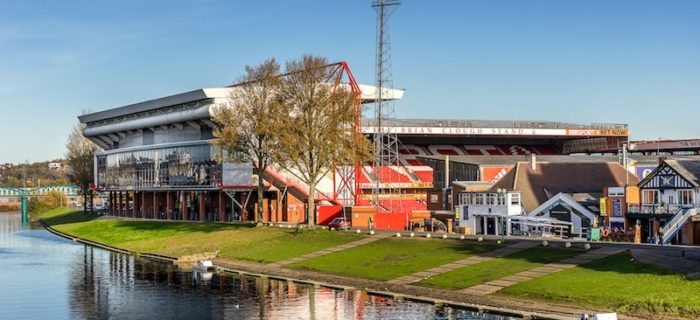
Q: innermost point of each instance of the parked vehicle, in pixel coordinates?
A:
(340, 224)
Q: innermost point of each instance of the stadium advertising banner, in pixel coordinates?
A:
(497, 131)
(644, 171)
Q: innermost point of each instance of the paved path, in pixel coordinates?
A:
(496, 285)
(669, 261)
(330, 250)
(418, 276)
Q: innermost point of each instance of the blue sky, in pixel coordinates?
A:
(621, 61)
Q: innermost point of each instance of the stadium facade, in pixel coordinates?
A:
(158, 162)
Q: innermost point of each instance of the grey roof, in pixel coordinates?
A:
(489, 124)
(487, 160)
(689, 169)
(512, 160)
(148, 105)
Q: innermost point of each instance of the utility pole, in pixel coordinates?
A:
(386, 144)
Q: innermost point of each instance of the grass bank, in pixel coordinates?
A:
(498, 268)
(259, 244)
(392, 258)
(620, 283)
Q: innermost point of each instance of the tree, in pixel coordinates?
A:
(246, 128)
(80, 157)
(318, 130)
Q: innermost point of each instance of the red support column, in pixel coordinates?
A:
(170, 203)
(143, 204)
(222, 205)
(202, 202)
(119, 203)
(244, 210)
(156, 214)
(126, 205)
(185, 209)
(111, 203)
(137, 203)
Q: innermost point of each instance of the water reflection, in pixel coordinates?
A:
(98, 284)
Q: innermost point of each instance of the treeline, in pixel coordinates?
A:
(32, 175)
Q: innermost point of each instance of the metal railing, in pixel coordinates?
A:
(671, 228)
(652, 209)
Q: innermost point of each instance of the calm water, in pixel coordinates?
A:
(43, 276)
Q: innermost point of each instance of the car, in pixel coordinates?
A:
(340, 223)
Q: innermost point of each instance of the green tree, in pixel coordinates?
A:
(80, 158)
(246, 129)
(317, 131)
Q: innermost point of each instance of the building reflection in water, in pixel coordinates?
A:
(111, 285)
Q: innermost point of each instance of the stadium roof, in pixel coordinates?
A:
(369, 95)
(492, 128)
(496, 160)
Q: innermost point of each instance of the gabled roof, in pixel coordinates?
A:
(548, 179)
(562, 198)
(688, 169)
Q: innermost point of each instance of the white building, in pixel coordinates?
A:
(487, 212)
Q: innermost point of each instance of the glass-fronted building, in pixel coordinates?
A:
(158, 161)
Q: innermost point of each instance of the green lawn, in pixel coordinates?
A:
(65, 215)
(261, 244)
(619, 283)
(498, 268)
(392, 258)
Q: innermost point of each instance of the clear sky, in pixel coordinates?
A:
(587, 61)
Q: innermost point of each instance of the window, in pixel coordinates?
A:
(490, 199)
(501, 199)
(479, 199)
(433, 198)
(465, 198)
(515, 199)
(650, 196)
(685, 197)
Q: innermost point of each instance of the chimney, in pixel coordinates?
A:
(533, 162)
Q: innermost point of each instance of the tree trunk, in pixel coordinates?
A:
(261, 185)
(85, 196)
(92, 209)
(311, 207)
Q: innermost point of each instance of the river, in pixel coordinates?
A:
(44, 276)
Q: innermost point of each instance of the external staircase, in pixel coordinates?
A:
(675, 225)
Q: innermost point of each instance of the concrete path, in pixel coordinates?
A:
(672, 261)
(496, 285)
(418, 276)
(330, 250)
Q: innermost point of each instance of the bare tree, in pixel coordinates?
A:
(80, 157)
(318, 131)
(247, 127)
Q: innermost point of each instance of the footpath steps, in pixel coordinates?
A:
(418, 276)
(496, 285)
(330, 250)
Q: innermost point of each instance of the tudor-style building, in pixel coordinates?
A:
(669, 205)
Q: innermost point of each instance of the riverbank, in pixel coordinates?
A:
(632, 288)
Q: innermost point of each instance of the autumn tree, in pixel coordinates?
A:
(246, 128)
(80, 157)
(318, 131)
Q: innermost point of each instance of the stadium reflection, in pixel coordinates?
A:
(81, 282)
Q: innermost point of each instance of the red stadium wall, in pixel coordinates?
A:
(326, 214)
(390, 221)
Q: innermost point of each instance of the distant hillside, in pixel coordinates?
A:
(37, 174)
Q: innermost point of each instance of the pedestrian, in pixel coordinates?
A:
(370, 221)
